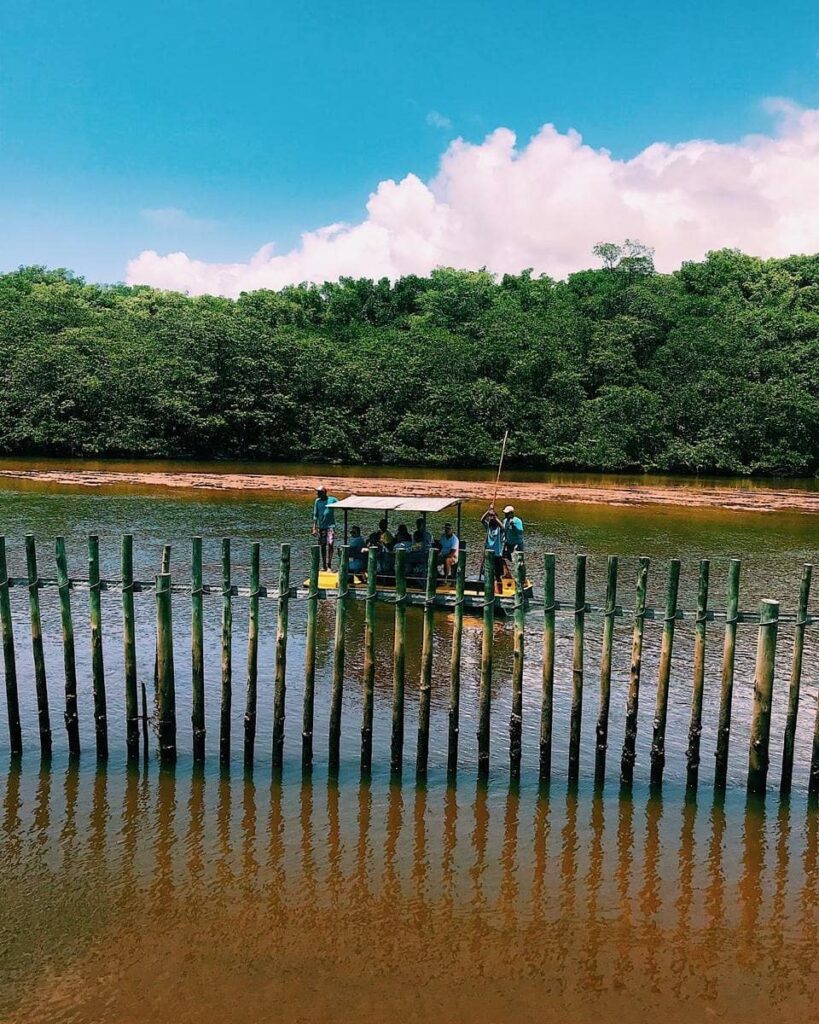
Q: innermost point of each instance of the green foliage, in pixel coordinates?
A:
(714, 368)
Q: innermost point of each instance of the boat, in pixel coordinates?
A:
(419, 506)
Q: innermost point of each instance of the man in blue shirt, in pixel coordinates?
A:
(513, 536)
(494, 543)
(448, 548)
(324, 525)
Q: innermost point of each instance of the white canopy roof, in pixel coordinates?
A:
(396, 503)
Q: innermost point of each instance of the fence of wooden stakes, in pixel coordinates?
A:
(767, 619)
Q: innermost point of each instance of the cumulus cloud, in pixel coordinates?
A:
(544, 205)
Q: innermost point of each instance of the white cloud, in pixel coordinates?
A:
(544, 205)
(438, 120)
(173, 218)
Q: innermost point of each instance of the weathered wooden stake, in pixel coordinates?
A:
(310, 662)
(664, 674)
(44, 721)
(516, 717)
(795, 682)
(485, 692)
(97, 660)
(727, 686)
(605, 672)
(698, 689)
(425, 691)
(455, 665)
(280, 686)
(399, 663)
(369, 664)
(763, 693)
(166, 691)
(577, 668)
(72, 723)
(334, 757)
(197, 653)
(227, 655)
(548, 683)
(632, 705)
(166, 559)
(9, 658)
(129, 648)
(251, 694)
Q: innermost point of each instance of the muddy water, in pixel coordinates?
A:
(129, 897)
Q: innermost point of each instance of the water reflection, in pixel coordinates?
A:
(339, 901)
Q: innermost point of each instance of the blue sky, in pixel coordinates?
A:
(261, 120)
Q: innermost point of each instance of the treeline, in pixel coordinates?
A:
(714, 368)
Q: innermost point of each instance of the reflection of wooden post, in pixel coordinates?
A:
(9, 658)
(727, 687)
(72, 724)
(548, 667)
(425, 693)
(698, 689)
(516, 719)
(97, 662)
(129, 648)
(795, 683)
(632, 705)
(280, 688)
(664, 675)
(577, 668)
(399, 663)
(338, 662)
(763, 694)
(166, 692)
(310, 661)
(43, 719)
(605, 672)
(197, 653)
(227, 655)
(144, 722)
(369, 663)
(485, 693)
(455, 665)
(251, 692)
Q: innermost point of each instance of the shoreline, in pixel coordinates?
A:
(623, 495)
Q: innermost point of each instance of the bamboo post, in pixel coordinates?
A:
(399, 663)
(455, 664)
(605, 672)
(763, 694)
(334, 757)
(727, 684)
(144, 721)
(485, 692)
(197, 653)
(280, 686)
(425, 691)
(795, 681)
(43, 718)
(166, 692)
(310, 662)
(227, 655)
(129, 648)
(548, 682)
(97, 661)
(577, 668)
(698, 689)
(251, 695)
(369, 663)
(633, 702)
(9, 658)
(664, 674)
(516, 717)
(72, 723)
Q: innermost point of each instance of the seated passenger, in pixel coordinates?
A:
(421, 538)
(448, 548)
(385, 538)
(403, 541)
(357, 554)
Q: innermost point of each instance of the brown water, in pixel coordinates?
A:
(129, 897)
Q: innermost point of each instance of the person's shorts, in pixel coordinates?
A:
(327, 536)
(510, 549)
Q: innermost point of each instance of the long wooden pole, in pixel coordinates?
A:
(727, 684)
(577, 668)
(548, 681)
(425, 691)
(698, 688)
(485, 691)
(41, 688)
(72, 722)
(664, 675)
(334, 758)
(500, 467)
(399, 664)
(516, 717)
(197, 653)
(369, 663)
(97, 660)
(280, 686)
(763, 694)
(166, 690)
(602, 731)
(455, 665)
(227, 655)
(9, 658)
(310, 662)
(129, 648)
(251, 692)
(632, 705)
(795, 682)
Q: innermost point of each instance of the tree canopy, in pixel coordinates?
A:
(714, 368)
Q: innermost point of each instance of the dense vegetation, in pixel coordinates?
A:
(712, 368)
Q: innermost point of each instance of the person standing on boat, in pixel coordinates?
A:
(448, 548)
(494, 543)
(513, 536)
(324, 525)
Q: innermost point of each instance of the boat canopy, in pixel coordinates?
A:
(396, 503)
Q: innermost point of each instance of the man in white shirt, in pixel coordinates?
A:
(448, 548)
